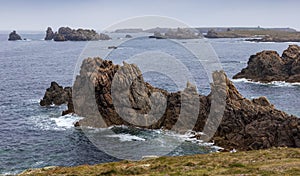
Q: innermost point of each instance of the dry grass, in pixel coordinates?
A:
(276, 161)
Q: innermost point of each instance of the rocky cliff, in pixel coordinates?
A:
(13, 36)
(268, 66)
(120, 96)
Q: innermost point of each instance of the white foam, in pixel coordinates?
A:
(126, 137)
(273, 83)
(66, 121)
(45, 122)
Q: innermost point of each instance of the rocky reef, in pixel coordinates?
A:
(13, 36)
(68, 34)
(268, 66)
(179, 33)
(110, 91)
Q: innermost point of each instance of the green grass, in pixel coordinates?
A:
(275, 161)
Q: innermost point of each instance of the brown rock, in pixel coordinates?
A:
(107, 94)
(268, 66)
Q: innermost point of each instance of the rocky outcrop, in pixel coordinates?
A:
(68, 34)
(120, 96)
(13, 36)
(268, 66)
(179, 33)
(57, 95)
(49, 34)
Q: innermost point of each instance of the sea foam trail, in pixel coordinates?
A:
(273, 83)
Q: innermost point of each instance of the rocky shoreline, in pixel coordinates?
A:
(268, 66)
(239, 126)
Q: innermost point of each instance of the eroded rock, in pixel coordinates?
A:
(107, 94)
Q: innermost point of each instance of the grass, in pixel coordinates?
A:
(275, 161)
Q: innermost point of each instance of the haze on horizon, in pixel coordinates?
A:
(99, 14)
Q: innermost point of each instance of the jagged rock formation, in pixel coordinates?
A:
(120, 96)
(49, 34)
(179, 33)
(268, 66)
(58, 95)
(68, 34)
(13, 36)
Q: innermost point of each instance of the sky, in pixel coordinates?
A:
(99, 14)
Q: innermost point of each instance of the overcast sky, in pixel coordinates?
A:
(98, 14)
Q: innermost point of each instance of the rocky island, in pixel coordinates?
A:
(13, 36)
(246, 124)
(179, 33)
(268, 66)
(68, 34)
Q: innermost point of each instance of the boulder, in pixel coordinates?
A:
(268, 66)
(13, 36)
(128, 36)
(104, 91)
(49, 34)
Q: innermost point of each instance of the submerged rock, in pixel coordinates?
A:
(49, 34)
(120, 96)
(13, 36)
(268, 66)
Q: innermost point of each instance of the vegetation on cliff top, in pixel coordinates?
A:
(275, 161)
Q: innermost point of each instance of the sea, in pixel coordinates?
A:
(32, 136)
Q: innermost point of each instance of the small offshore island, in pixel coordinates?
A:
(268, 66)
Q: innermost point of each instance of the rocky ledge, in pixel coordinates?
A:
(246, 124)
(268, 66)
(13, 36)
(68, 34)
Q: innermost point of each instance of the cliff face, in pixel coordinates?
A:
(120, 96)
(268, 66)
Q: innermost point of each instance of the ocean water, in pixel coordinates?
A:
(32, 136)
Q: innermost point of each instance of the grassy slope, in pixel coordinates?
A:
(276, 161)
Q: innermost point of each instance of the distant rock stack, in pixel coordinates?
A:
(49, 34)
(13, 36)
